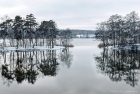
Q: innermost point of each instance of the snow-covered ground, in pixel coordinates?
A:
(127, 47)
(9, 49)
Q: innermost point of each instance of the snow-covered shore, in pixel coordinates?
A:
(127, 47)
(11, 49)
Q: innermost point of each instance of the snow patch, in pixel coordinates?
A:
(127, 47)
(11, 49)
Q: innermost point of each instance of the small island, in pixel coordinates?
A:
(25, 34)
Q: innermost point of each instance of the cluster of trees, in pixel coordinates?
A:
(120, 65)
(120, 31)
(20, 66)
(26, 31)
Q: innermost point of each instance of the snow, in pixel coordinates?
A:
(127, 47)
(48, 48)
(11, 49)
(85, 35)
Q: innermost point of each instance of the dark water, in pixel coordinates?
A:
(84, 69)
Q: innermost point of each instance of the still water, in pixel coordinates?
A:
(83, 69)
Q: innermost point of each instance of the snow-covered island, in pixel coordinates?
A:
(20, 34)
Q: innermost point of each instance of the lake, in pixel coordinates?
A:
(83, 69)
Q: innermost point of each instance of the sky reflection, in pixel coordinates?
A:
(83, 76)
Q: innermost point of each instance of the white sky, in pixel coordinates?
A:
(73, 14)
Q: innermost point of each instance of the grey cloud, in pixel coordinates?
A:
(72, 12)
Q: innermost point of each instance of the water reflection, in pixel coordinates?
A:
(120, 65)
(66, 57)
(21, 66)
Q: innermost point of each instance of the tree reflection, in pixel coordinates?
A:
(120, 65)
(49, 65)
(66, 57)
(21, 66)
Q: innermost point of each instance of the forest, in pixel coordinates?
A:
(120, 31)
(26, 32)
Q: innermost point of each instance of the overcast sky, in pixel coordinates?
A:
(73, 14)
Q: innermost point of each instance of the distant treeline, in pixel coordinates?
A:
(78, 32)
(75, 32)
(120, 31)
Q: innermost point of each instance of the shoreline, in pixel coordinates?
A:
(124, 47)
(13, 49)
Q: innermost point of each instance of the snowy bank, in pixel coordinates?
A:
(127, 47)
(11, 49)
